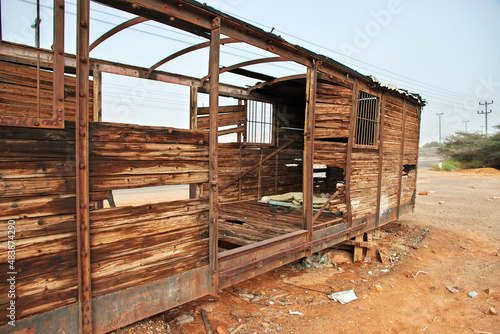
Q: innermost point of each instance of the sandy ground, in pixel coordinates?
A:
(455, 243)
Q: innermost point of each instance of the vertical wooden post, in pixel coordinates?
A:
(418, 110)
(82, 167)
(213, 150)
(350, 143)
(380, 158)
(401, 159)
(194, 189)
(308, 159)
(58, 56)
(97, 76)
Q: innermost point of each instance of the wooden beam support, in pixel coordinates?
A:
(194, 189)
(350, 143)
(335, 194)
(82, 168)
(97, 76)
(308, 157)
(401, 159)
(271, 82)
(358, 250)
(213, 153)
(380, 157)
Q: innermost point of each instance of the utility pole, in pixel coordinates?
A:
(440, 114)
(466, 125)
(485, 113)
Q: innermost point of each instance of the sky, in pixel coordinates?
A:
(447, 51)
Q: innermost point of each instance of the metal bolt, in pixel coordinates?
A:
(59, 119)
(61, 5)
(83, 24)
(134, 5)
(36, 123)
(82, 123)
(82, 94)
(84, 253)
(82, 134)
(172, 18)
(201, 142)
(61, 52)
(60, 99)
(82, 205)
(82, 165)
(170, 131)
(83, 227)
(59, 110)
(82, 59)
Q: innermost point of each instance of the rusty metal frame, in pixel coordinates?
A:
(308, 153)
(380, 158)
(247, 63)
(307, 246)
(213, 192)
(402, 151)
(57, 60)
(82, 168)
(188, 50)
(117, 29)
(271, 82)
(350, 144)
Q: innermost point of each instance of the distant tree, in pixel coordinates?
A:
(492, 149)
(473, 150)
(431, 144)
(467, 148)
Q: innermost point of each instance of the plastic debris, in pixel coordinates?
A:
(295, 312)
(343, 297)
(452, 289)
(184, 319)
(472, 294)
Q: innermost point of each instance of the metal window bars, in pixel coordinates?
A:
(367, 118)
(259, 122)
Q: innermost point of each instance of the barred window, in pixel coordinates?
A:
(259, 122)
(367, 118)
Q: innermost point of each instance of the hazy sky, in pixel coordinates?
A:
(447, 51)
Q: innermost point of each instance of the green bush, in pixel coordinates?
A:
(471, 150)
(431, 144)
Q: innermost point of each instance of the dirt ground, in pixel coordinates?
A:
(451, 240)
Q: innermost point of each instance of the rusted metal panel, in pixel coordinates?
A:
(213, 157)
(82, 168)
(61, 320)
(124, 307)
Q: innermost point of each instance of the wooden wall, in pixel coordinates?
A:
(392, 151)
(129, 245)
(18, 92)
(37, 191)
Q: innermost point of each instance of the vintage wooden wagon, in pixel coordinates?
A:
(328, 135)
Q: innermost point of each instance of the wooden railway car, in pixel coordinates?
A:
(340, 146)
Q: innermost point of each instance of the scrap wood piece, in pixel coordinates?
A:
(472, 329)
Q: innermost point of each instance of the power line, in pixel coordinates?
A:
(485, 113)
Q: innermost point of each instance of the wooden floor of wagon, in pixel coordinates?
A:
(248, 222)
